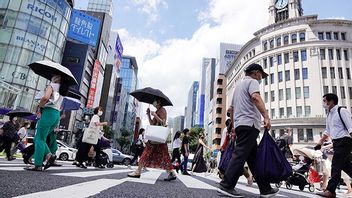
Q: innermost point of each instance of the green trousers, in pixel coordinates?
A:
(47, 123)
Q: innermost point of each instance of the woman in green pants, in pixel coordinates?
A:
(49, 106)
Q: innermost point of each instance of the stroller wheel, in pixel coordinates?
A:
(301, 188)
(288, 185)
(278, 185)
(110, 165)
(311, 188)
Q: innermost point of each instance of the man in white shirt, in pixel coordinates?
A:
(339, 128)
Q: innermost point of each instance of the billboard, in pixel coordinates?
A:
(93, 84)
(84, 28)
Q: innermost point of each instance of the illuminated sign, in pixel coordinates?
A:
(93, 84)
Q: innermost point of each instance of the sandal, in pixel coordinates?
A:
(50, 161)
(134, 175)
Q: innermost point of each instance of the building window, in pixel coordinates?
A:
(322, 54)
(289, 112)
(219, 101)
(220, 81)
(297, 76)
(338, 54)
(306, 92)
(299, 111)
(303, 55)
(336, 35)
(305, 73)
(281, 94)
(343, 36)
(326, 89)
(271, 44)
(348, 73)
(218, 120)
(345, 53)
(328, 35)
(324, 72)
(339, 70)
(343, 94)
(300, 135)
(278, 41)
(287, 75)
(302, 36)
(331, 54)
(298, 93)
(350, 92)
(279, 59)
(271, 78)
(272, 113)
(334, 90)
(282, 112)
(293, 38)
(265, 81)
(280, 77)
(219, 91)
(218, 110)
(307, 111)
(286, 58)
(288, 93)
(310, 137)
(271, 60)
(266, 97)
(321, 35)
(295, 56)
(285, 39)
(265, 45)
(272, 96)
(265, 63)
(332, 72)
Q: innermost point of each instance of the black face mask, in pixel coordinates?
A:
(228, 114)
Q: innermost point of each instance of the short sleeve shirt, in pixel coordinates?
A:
(246, 113)
(185, 141)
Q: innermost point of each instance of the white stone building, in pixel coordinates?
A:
(305, 58)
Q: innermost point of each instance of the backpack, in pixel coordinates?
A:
(339, 112)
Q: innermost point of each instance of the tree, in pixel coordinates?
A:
(108, 133)
(193, 138)
(124, 139)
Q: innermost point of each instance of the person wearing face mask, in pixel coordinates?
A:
(22, 135)
(156, 155)
(49, 114)
(84, 148)
(10, 129)
(339, 128)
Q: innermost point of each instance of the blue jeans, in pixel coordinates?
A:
(184, 163)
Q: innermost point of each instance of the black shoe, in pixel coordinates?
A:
(50, 161)
(270, 193)
(185, 173)
(35, 168)
(82, 165)
(170, 177)
(11, 158)
(229, 192)
(26, 158)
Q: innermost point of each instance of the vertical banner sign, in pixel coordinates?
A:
(93, 84)
(119, 52)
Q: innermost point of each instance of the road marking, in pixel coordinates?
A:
(149, 177)
(12, 164)
(92, 173)
(192, 182)
(51, 168)
(80, 190)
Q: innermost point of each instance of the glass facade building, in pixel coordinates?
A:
(30, 30)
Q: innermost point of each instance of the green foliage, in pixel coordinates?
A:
(193, 136)
(108, 132)
(124, 139)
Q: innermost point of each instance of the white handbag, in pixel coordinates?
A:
(157, 133)
(90, 136)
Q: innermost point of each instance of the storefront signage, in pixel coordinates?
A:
(31, 43)
(59, 5)
(84, 28)
(42, 11)
(23, 76)
(93, 84)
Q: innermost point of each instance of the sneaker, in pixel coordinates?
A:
(11, 158)
(229, 192)
(185, 173)
(170, 177)
(82, 165)
(134, 175)
(50, 161)
(270, 193)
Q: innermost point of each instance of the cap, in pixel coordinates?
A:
(253, 67)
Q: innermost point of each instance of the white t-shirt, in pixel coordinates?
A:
(95, 119)
(177, 143)
(223, 136)
(22, 133)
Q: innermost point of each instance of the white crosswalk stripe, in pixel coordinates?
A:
(92, 173)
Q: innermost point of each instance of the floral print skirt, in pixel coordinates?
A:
(156, 156)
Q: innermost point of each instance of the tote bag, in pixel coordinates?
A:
(90, 136)
(157, 134)
(271, 164)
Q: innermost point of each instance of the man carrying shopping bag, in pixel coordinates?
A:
(248, 107)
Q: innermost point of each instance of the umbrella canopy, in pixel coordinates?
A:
(4, 111)
(307, 152)
(20, 113)
(70, 104)
(47, 68)
(148, 95)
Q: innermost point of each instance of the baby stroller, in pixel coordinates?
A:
(306, 171)
(105, 157)
(213, 161)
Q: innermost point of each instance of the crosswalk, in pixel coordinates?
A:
(99, 180)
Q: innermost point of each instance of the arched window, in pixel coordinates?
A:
(285, 39)
(293, 38)
(302, 37)
(278, 41)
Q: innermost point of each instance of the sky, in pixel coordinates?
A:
(169, 38)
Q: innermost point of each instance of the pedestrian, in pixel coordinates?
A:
(10, 136)
(339, 128)
(286, 142)
(140, 145)
(22, 135)
(176, 145)
(84, 148)
(185, 151)
(248, 107)
(199, 165)
(156, 155)
(49, 113)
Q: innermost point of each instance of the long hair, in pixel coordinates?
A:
(177, 135)
(64, 89)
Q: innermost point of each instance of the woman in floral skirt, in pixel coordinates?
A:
(156, 155)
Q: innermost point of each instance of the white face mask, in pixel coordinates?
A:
(100, 113)
(155, 103)
(14, 119)
(325, 106)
